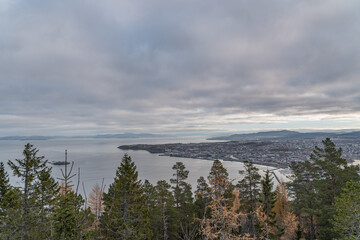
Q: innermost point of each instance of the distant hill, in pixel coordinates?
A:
(355, 134)
(27, 138)
(285, 134)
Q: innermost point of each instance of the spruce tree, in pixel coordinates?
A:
(249, 194)
(305, 199)
(125, 214)
(4, 189)
(183, 200)
(267, 200)
(46, 189)
(9, 216)
(346, 219)
(66, 215)
(28, 170)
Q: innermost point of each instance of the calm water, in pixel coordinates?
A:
(99, 158)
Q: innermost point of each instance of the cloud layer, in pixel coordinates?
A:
(69, 67)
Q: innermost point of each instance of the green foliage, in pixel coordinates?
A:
(125, 215)
(4, 184)
(267, 200)
(305, 200)
(183, 200)
(202, 198)
(9, 205)
(46, 189)
(333, 172)
(37, 194)
(220, 178)
(325, 195)
(346, 220)
(179, 183)
(70, 220)
(314, 186)
(267, 196)
(166, 215)
(249, 187)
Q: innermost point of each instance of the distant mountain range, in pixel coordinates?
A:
(285, 134)
(121, 135)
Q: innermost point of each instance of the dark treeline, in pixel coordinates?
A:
(321, 201)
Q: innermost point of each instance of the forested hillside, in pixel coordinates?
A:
(321, 201)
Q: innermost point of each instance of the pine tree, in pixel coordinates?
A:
(249, 194)
(220, 177)
(183, 201)
(4, 189)
(28, 170)
(125, 215)
(150, 205)
(72, 218)
(267, 200)
(66, 215)
(9, 205)
(179, 182)
(46, 190)
(314, 186)
(346, 220)
(202, 198)
(305, 200)
(333, 173)
(166, 215)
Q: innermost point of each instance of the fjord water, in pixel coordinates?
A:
(99, 158)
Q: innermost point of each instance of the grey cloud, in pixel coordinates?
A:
(121, 64)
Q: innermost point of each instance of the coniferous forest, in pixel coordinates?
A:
(320, 201)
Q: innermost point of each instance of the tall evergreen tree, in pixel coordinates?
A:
(219, 177)
(202, 198)
(9, 205)
(183, 200)
(333, 173)
(305, 199)
(70, 222)
(315, 184)
(267, 200)
(4, 189)
(166, 215)
(28, 170)
(249, 194)
(347, 212)
(46, 189)
(125, 215)
(180, 175)
(150, 205)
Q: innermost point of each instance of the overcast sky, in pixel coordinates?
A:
(85, 67)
